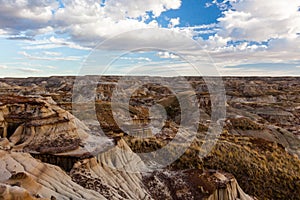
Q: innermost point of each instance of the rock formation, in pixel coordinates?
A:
(194, 184)
(38, 126)
(113, 175)
(258, 150)
(24, 177)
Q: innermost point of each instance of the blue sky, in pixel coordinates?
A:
(236, 37)
(192, 13)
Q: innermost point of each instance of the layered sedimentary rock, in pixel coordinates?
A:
(111, 175)
(119, 175)
(260, 143)
(24, 177)
(38, 126)
(114, 174)
(194, 184)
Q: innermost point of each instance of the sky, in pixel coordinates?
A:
(150, 37)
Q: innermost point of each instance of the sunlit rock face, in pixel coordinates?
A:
(23, 177)
(40, 127)
(114, 175)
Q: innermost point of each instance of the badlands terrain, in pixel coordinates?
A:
(59, 140)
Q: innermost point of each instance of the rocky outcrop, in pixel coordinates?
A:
(8, 192)
(3, 122)
(114, 176)
(24, 177)
(38, 125)
(51, 134)
(110, 176)
(273, 99)
(194, 184)
(261, 167)
(259, 145)
(55, 136)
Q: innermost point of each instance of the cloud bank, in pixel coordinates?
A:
(247, 32)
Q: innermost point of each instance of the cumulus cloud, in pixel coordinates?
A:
(255, 20)
(134, 9)
(166, 55)
(149, 39)
(87, 21)
(249, 31)
(17, 16)
(253, 31)
(174, 22)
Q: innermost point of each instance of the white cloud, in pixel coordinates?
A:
(3, 67)
(174, 22)
(53, 42)
(83, 23)
(29, 70)
(223, 5)
(256, 20)
(149, 39)
(254, 31)
(52, 53)
(167, 55)
(62, 58)
(51, 67)
(22, 15)
(88, 22)
(137, 58)
(134, 9)
(3, 32)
